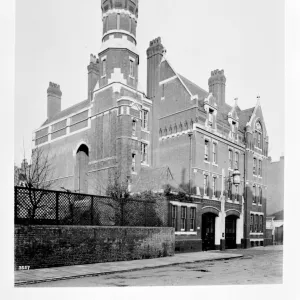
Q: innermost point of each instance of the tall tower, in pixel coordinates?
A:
(118, 57)
(217, 84)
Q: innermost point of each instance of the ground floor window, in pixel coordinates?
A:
(183, 218)
(174, 216)
(251, 223)
(192, 218)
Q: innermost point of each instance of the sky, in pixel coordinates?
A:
(54, 40)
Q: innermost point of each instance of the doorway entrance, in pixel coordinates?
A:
(208, 231)
(230, 232)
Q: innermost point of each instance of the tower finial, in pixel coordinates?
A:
(236, 101)
(258, 100)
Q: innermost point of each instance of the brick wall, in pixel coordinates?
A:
(53, 246)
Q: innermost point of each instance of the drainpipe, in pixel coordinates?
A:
(190, 134)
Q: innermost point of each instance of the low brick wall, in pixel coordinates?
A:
(53, 246)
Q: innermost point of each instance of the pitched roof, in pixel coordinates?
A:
(154, 180)
(278, 216)
(245, 116)
(68, 111)
(193, 88)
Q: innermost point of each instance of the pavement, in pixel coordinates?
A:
(79, 271)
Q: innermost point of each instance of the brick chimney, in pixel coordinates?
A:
(53, 100)
(155, 54)
(217, 83)
(93, 75)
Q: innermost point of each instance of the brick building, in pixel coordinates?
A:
(199, 138)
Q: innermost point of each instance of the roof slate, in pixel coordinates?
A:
(68, 111)
(193, 88)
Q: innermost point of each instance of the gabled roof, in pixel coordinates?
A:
(278, 216)
(154, 180)
(245, 116)
(193, 88)
(68, 111)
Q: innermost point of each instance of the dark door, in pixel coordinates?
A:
(230, 232)
(208, 232)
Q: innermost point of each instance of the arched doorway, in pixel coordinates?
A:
(230, 231)
(81, 169)
(208, 231)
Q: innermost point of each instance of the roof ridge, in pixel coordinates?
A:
(191, 82)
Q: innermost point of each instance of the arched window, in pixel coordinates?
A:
(81, 169)
(258, 135)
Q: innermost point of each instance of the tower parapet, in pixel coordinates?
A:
(217, 83)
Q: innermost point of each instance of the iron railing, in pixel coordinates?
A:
(47, 207)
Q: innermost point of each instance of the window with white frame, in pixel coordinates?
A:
(256, 220)
(230, 159)
(192, 218)
(183, 218)
(214, 187)
(104, 67)
(259, 168)
(133, 127)
(206, 150)
(261, 222)
(205, 185)
(145, 116)
(214, 153)
(254, 166)
(133, 164)
(174, 216)
(236, 161)
(144, 153)
(131, 62)
(254, 194)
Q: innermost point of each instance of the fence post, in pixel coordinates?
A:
(57, 208)
(92, 210)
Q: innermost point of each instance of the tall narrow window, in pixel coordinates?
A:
(133, 168)
(174, 216)
(260, 168)
(236, 163)
(104, 67)
(192, 218)
(133, 127)
(254, 166)
(205, 186)
(230, 159)
(251, 223)
(130, 24)
(261, 226)
(259, 140)
(183, 218)
(163, 92)
(214, 153)
(260, 196)
(254, 194)
(206, 147)
(144, 154)
(118, 21)
(214, 187)
(145, 115)
(210, 118)
(131, 68)
(256, 223)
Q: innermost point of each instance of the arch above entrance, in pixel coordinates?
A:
(232, 212)
(210, 209)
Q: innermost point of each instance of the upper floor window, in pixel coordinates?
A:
(133, 167)
(214, 153)
(260, 195)
(206, 150)
(258, 135)
(236, 163)
(254, 193)
(214, 187)
(144, 153)
(260, 168)
(133, 127)
(210, 118)
(131, 71)
(118, 21)
(145, 116)
(254, 166)
(230, 159)
(104, 67)
(205, 185)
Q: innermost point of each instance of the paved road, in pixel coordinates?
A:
(258, 266)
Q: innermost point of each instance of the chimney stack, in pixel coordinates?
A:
(217, 83)
(53, 100)
(93, 75)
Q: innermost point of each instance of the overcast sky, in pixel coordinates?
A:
(54, 40)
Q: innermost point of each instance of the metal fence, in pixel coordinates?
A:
(45, 207)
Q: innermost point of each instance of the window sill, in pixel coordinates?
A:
(131, 77)
(162, 98)
(133, 173)
(256, 233)
(145, 130)
(229, 201)
(207, 162)
(230, 170)
(185, 233)
(103, 76)
(134, 137)
(214, 164)
(145, 164)
(259, 204)
(205, 197)
(254, 204)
